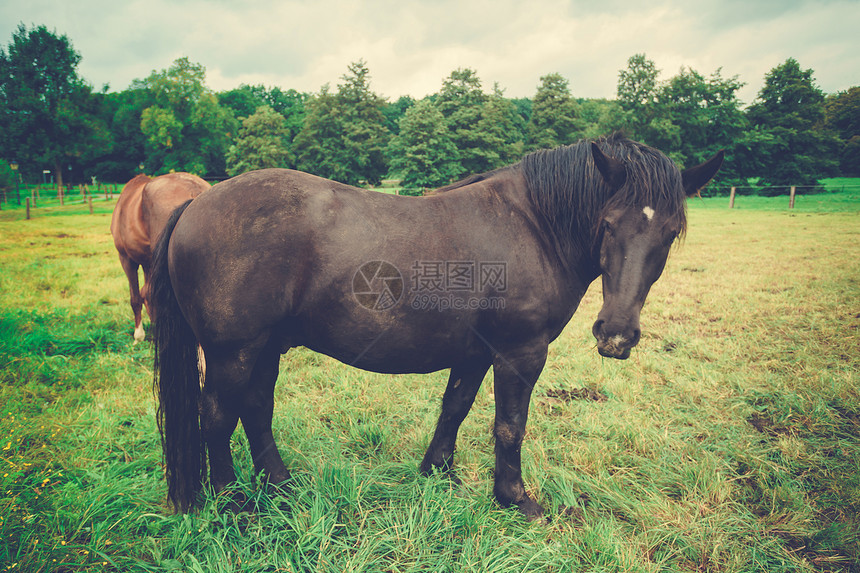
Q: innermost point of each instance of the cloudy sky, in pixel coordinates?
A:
(410, 46)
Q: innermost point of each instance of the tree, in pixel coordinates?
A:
(186, 128)
(245, 100)
(637, 92)
(484, 128)
(423, 153)
(317, 145)
(700, 115)
(263, 142)
(502, 141)
(290, 104)
(461, 101)
(555, 117)
(792, 147)
(46, 111)
(344, 137)
(394, 112)
(842, 113)
(121, 113)
(601, 117)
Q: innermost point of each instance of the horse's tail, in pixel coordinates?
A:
(177, 383)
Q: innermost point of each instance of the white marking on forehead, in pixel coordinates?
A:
(649, 213)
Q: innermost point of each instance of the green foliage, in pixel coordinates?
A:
(394, 112)
(121, 112)
(344, 137)
(555, 115)
(842, 112)
(422, 153)
(461, 101)
(186, 129)
(701, 115)
(601, 116)
(688, 117)
(46, 115)
(498, 127)
(637, 84)
(171, 121)
(8, 179)
(483, 128)
(242, 101)
(789, 146)
(245, 100)
(263, 142)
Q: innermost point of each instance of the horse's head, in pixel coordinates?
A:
(634, 242)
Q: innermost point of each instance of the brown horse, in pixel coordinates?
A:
(138, 219)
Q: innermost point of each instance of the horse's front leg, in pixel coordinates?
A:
(515, 374)
(463, 385)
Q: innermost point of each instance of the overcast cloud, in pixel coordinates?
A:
(411, 46)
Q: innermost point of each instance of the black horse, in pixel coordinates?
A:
(485, 272)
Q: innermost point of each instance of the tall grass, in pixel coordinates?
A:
(730, 441)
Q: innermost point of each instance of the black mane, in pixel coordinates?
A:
(570, 193)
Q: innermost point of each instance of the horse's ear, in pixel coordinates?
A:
(612, 170)
(697, 177)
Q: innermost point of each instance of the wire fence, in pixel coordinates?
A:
(42, 197)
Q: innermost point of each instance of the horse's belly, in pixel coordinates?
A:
(398, 349)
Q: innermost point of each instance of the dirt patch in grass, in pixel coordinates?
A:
(577, 394)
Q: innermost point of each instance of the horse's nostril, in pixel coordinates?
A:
(636, 335)
(597, 328)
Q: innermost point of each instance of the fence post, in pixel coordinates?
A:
(33, 199)
(90, 204)
(732, 198)
(60, 194)
(28, 208)
(791, 197)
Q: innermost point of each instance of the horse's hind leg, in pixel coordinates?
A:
(219, 415)
(463, 385)
(257, 409)
(130, 267)
(229, 372)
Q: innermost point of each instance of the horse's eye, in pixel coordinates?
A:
(606, 228)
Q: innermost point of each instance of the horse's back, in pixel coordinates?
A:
(278, 252)
(162, 195)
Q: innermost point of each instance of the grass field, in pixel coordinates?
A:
(729, 441)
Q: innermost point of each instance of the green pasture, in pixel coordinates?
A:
(728, 442)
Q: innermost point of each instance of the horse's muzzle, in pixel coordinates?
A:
(615, 342)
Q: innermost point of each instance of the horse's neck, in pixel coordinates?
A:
(573, 251)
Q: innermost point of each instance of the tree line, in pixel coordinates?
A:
(51, 119)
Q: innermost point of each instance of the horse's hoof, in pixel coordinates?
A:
(232, 501)
(532, 510)
(446, 470)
